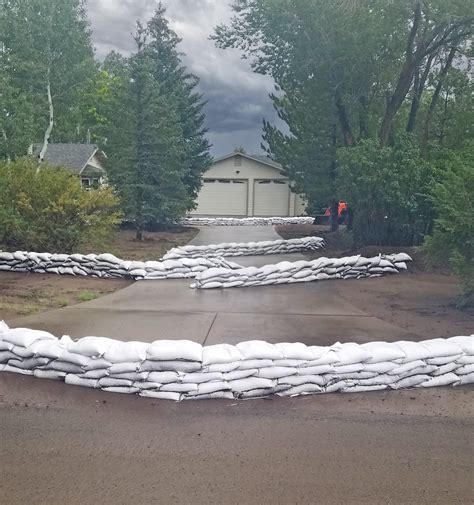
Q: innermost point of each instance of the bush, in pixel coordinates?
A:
(387, 189)
(453, 235)
(50, 211)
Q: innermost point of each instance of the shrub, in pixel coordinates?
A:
(453, 235)
(387, 188)
(48, 210)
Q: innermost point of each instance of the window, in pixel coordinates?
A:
(224, 181)
(209, 181)
(238, 161)
(86, 182)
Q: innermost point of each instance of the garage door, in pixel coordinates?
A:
(222, 197)
(271, 198)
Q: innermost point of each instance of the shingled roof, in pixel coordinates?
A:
(72, 156)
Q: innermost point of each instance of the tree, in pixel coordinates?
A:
(145, 143)
(453, 235)
(47, 57)
(154, 127)
(49, 210)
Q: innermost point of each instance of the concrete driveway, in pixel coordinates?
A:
(64, 444)
(169, 309)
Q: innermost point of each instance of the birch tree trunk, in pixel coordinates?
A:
(49, 129)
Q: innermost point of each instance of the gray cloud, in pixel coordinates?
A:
(237, 98)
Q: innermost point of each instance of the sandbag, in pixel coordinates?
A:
(170, 350)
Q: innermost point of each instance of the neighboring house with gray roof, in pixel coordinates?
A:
(84, 160)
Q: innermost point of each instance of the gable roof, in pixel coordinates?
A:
(261, 158)
(72, 156)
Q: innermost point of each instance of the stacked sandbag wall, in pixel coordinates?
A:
(244, 221)
(267, 247)
(107, 265)
(184, 370)
(285, 272)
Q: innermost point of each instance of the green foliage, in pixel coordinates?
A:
(387, 188)
(48, 210)
(453, 236)
(154, 128)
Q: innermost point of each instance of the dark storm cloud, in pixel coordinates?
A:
(237, 98)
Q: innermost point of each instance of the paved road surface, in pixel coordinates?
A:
(150, 310)
(63, 444)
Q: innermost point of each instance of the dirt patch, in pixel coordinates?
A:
(23, 294)
(153, 247)
(422, 300)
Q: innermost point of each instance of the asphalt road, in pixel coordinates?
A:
(63, 444)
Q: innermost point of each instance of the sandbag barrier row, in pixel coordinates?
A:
(245, 221)
(246, 248)
(107, 265)
(285, 272)
(184, 370)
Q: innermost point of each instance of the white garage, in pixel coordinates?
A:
(241, 185)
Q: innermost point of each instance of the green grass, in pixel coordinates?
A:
(86, 296)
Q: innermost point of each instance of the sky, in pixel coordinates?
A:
(237, 98)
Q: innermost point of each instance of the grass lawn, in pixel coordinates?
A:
(23, 294)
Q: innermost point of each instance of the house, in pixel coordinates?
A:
(245, 185)
(84, 160)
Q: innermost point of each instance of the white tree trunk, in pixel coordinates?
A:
(49, 129)
(4, 135)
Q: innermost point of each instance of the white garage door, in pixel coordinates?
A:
(222, 197)
(271, 198)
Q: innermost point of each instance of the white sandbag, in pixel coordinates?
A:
(3, 325)
(298, 380)
(22, 352)
(75, 359)
(178, 387)
(218, 395)
(50, 348)
(6, 355)
(255, 393)
(465, 343)
(49, 374)
(122, 352)
(14, 369)
(316, 370)
(163, 377)
(94, 347)
(465, 369)
(170, 350)
(442, 360)
(239, 374)
(220, 353)
(131, 376)
(112, 382)
(363, 389)
(347, 369)
(121, 389)
(95, 374)
(96, 364)
(406, 367)
(465, 360)
(303, 389)
(448, 367)
(147, 385)
(383, 351)
(439, 347)
(213, 387)
(24, 337)
(161, 395)
(466, 379)
(447, 379)
(296, 351)
(199, 377)
(254, 363)
(120, 368)
(247, 384)
(74, 380)
(29, 363)
(64, 366)
(349, 353)
(276, 372)
(382, 367)
(259, 349)
(173, 366)
(410, 382)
